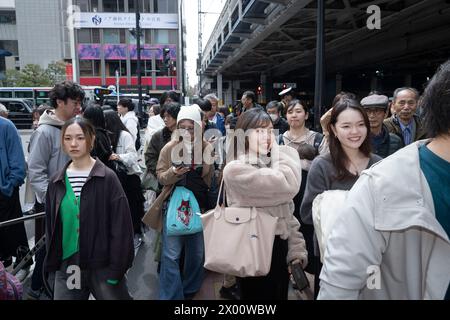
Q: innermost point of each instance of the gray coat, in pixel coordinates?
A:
(46, 155)
(320, 179)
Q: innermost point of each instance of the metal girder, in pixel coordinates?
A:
(285, 34)
(232, 45)
(283, 2)
(246, 35)
(261, 21)
(354, 37)
(262, 32)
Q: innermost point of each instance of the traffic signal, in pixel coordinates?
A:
(166, 57)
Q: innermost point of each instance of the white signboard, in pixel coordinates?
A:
(279, 85)
(125, 20)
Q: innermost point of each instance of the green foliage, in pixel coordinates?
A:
(56, 72)
(12, 78)
(32, 75)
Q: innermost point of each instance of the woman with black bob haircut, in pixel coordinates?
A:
(88, 222)
(124, 151)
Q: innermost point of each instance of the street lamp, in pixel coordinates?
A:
(138, 45)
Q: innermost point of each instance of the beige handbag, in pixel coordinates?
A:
(154, 216)
(238, 241)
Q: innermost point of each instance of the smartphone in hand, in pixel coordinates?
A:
(180, 165)
(299, 276)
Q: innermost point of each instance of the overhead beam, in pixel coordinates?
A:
(261, 21)
(283, 2)
(246, 35)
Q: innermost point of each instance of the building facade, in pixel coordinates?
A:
(8, 38)
(97, 39)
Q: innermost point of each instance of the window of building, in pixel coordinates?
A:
(83, 5)
(114, 35)
(163, 70)
(113, 65)
(87, 5)
(148, 36)
(132, 37)
(88, 35)
(165, 6)
(144, 6)
(90, 68)
(163, 36)
(8, 17)
(113, 6)
(146, 67)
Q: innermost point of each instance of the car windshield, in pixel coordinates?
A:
(29, 103)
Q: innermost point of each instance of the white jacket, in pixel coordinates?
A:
(127, 153)
(388, 223)
(131, 122)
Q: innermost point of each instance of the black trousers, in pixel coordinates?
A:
(14, 236)
(273, 286)
(133, 191)
(91, 281)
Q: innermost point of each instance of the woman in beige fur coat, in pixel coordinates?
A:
(267, 176)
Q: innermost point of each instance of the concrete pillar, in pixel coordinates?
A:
(219, 88)
(236, 87)
(228, 99)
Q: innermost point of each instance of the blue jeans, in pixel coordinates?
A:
(172, 284)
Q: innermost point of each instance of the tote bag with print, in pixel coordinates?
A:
(183, 213)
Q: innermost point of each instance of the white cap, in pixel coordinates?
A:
(3, 108)
(190, 113)
(285, 91)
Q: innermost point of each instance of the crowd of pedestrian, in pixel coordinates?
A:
(85, 173)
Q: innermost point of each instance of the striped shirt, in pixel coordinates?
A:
(77, 180)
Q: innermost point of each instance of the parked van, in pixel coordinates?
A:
(20, 111)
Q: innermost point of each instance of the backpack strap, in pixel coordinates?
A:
(317, 141)
(280, 140)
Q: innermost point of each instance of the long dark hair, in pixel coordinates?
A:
(95, 115)
(338, 155)
(114, 125)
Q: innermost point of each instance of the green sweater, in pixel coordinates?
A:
(70, 219)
